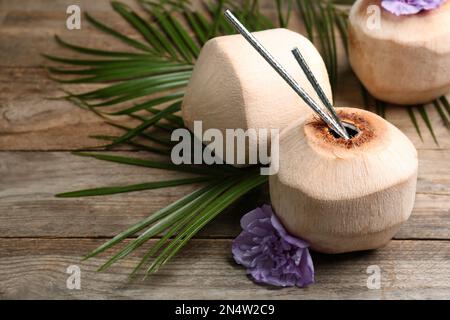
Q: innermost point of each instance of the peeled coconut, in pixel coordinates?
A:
(233, 87)
(342, 195)
(407, 59)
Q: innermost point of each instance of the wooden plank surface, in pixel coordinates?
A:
(36, 268)
(24, 83)
(29, 208)
(32, 122)
(41, 235)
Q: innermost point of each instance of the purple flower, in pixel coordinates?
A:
(406, 7)
(269, 253)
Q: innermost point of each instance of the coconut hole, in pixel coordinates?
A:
(351, 129)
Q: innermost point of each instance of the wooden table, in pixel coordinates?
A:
(40, 235)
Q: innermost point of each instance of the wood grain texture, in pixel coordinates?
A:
(59, 125)
(36, 268)
(28, 206)
(40, 235)
(29, 121)
(31, 179)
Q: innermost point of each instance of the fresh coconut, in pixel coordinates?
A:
(403, 59)
(233, 87)
(344, 195)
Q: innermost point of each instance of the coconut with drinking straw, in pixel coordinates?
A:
(346, 179)
(230, 88)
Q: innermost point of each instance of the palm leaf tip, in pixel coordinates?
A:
(131, 188)
(425, 117)
(442, 114)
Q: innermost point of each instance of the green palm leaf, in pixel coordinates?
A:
(168, 221)
(321, 19)
(442, 113)
(131, 188)
(147, 83)
(413, 118)
(149, 122)
(137, 145)
(97, 52)
(162, 61)
(423, 113)
(221, 170)
(203, 218)
(149, 220)
(127, 40)
(445, 103)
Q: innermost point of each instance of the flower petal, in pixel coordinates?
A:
(283, 233)
(408, 7)
(269, 253)
(253, 215)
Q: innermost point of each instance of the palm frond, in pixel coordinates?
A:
(413, 118)
(283, 19)
(442, 113)
(150, 220)
(423, 113)
(321, 20)
(445, 103)
(147, 83)
(151, 137)
(169, 221)
(147, 123)
(210, 170)
(137, 145)
(131, 188)
(201, 219)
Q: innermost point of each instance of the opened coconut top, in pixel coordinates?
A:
(378, 156)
